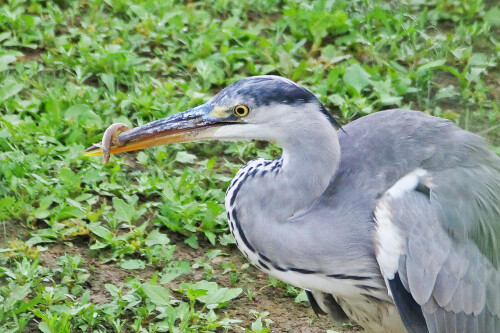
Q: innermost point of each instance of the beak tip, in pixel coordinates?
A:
(93, 150)
(93, 147)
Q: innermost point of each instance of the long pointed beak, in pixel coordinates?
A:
(191, 125)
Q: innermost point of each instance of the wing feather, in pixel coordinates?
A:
(454, 279)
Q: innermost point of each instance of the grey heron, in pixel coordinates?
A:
(394, 220)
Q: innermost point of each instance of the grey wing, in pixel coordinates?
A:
(437, 246)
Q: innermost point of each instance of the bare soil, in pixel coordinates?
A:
(286, 315)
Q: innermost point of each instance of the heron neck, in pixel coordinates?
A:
(274, 218)
(282, 190)
(266, 196)
(308, 167)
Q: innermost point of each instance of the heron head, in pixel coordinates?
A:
(268, 108)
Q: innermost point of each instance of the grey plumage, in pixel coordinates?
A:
(450, 260)
(395, 220)
(461, 210)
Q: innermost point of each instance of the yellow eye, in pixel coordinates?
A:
(241, 110)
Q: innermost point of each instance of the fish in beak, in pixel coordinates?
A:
(195, 124)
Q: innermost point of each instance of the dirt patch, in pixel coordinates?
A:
(112, 273)
(32, 54)
(11, 230)
(287, 316)
(100, 273)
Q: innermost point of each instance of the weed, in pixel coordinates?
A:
(69, 69)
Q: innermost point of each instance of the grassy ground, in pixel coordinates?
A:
(141, 244)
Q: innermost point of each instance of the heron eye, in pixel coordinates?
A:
(241, 110)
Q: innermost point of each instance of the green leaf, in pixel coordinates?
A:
(184, 157)
(192, 241)
(301, 297)
(98, 245)
(480, 60)
(100, 231)
(226, 239)
(18, 293)
(69, 178)
(133, 264)
(142, 158)
(211, 162)
(214, 295)
(446, 92)
(123, 211)
(5, 60)
(112, 289)
(210, 236)
(258, 327)
(5, 35)
(217, 298)
(35, 240)
(174, 271)
(386, 92)
(9, 89)
(171, 315)
(157, 238)
(42, 326)
(157, 294)
(89, 119)
(301, 68)
(430, 65)
(74, 112)
(70, 211)
(109, 81)
(492, 16)
(356, 77)
(193, 294)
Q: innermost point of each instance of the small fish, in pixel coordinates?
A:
(109, 139)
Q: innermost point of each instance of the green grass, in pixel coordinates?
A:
(69, 69)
